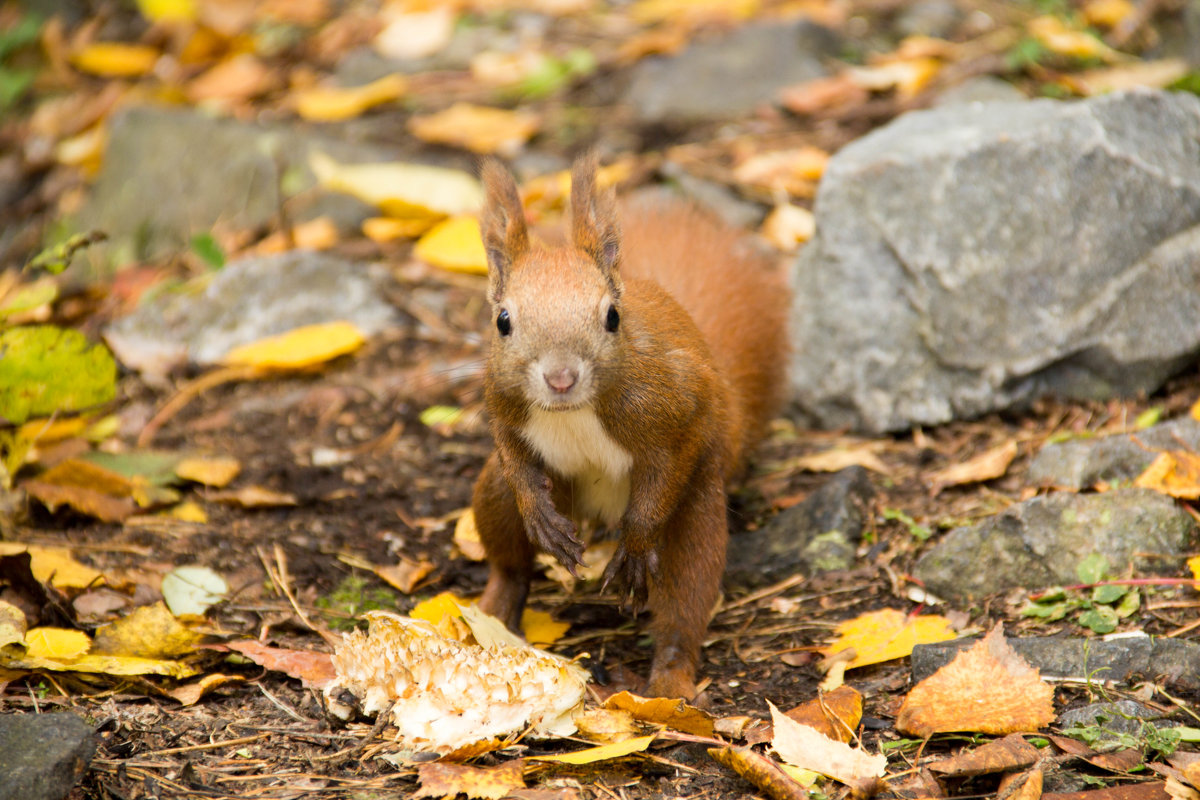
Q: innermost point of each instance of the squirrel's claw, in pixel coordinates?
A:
(553, 533)
(632, 572)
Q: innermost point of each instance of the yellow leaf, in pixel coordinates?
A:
(433, 610)
(694, 12)
(84, 150)
(188, 512)
(54, 565)
(886, 634)
(602, 753)
(46, 431)
(1054, 35)
(1194, 565)
(216, 472)
(110, 665)
(59, 644)
(540, 628)
(1194, 413)
(455, 244)
(788, 226)
(329, 104)
(480, 129)
(189, 694)
(1175, 473)
(406, 574)
(1107, 13)
(115, 60)
(299, 348)
(487, 783)
(387, 229)
(168, 10)
(146, 632)
(1156, 74)
(672, 712)
(400, 189)
(12, 625)
(466, 537)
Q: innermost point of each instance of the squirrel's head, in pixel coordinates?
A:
(557, 312)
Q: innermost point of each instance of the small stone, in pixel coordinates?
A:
(43, 756)
(1082, 463)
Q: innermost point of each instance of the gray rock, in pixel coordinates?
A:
(1080, 463)
(818, 535)
(169, 174)
(248, 300)
(1123, 659)
(1040, 542)
(43, 756)
(974, 257)
(1120, 717)
(725, 77)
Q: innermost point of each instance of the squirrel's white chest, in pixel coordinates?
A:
(575, 445)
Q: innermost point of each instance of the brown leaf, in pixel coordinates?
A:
(801, 746)
(606, 725)
(760, 771)
(673, 713)
(1021, 786)
(1003, 755)
(315, 670)
(190, 693)
(239, 78)
(254, 497)
(823, 94)
(1120, 761)
(1132, 791)
(835, 714)
(406, 574)
(490, 783)
(862, 454)
(988, 689)
(1175, 473)
(983, 467)
(85, 487)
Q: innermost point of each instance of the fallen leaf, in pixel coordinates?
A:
(1053, 34)
(55, 566)
(768, 776)
(883, 635)
(168, 10)
(489, 783)
(406, 574)
(604, 752)
(671, 712)
(1175, 473)
(218, 471)
(436, 608)
(84, 150)
(1193, 564)
(834, 714)
(239, 78)
(595, 560)
(1003, 755)
(193, 590)
(907, 76)
(402, 190)
(254, 497)
(330, 104)
(801, 746)
(1130, 791)
(46, 370)
(794, 171)
(313, 670)
(788, 226)
(480, 129)
(387, 229)
(108, 665)
(466, 537)
(60, 644)
(990, 464)
(986, 689)
(691, 13)
(454, 244)
(301, 347)
(1155, 74)
(307, 13)
(115, 60)
(190, 693)
(1107, 13)
(147, 632)
(607, 725)
(86, 499)
(862, 455)
(823, 94)
(540, 628)
(1021, 786)
(12, 624)
(414, 34)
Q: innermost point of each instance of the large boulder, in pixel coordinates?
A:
(974, 257)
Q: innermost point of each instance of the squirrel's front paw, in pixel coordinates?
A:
(633, 572)
(553, 533)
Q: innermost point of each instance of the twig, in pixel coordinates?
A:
(206, 746)
(189, 392)
(381, 721)
(279, 576)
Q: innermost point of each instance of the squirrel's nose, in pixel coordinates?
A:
(561, 380)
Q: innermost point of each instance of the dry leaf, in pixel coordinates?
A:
(466, 537)
(789, 226)
(12, 624)
(794, 171)
(1053, 34)
(1193, 564)
(1107, 13)
(319, 233)
(604, 752)
(862, 455)
(253, 497)
(671, 712)
(406, 574)
(834, 714)
(330, 104)
(168, 10)
(540, 628)
(415, 34)
(387, 229)
(489, 783)
(402, 190)
(1175, 473)
(314, 670)
(760, 771)
(692, 13)
(986, 689)
(85, 487)
(823, 94)
(84, 150)
(217, 472)
(1003, 755)
(147, 632)
(454, 244)
(607, 725)
(883, 635)
(595, 560)
(1023, 786)
(190, 693)
(1155, 74)
(983, 467)
(801, 746)
(480, 129)
(54, 565)
(239, 78)
(299, 348)
(115, 60)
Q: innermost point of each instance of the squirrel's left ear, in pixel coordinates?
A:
(505, 235)
(594, 226)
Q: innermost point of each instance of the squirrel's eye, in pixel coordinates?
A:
(612, 320)
(503, 323)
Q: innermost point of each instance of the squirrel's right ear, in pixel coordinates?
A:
(505, 237)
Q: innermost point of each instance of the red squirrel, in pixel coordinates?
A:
(628, 374)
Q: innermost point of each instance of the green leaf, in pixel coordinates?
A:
(1130, 603)
(22, 34)
(205, 246)
(1047, 611)
(155, 467)
(46, 370)
(1149, 417)
(1092, 568)
(56, 258)
(27, 298)
(1108, 594)
(1101, 619)
(14, 83)
(915, 529)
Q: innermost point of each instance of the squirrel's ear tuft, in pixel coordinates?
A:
(594, 226)
(505, 236)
